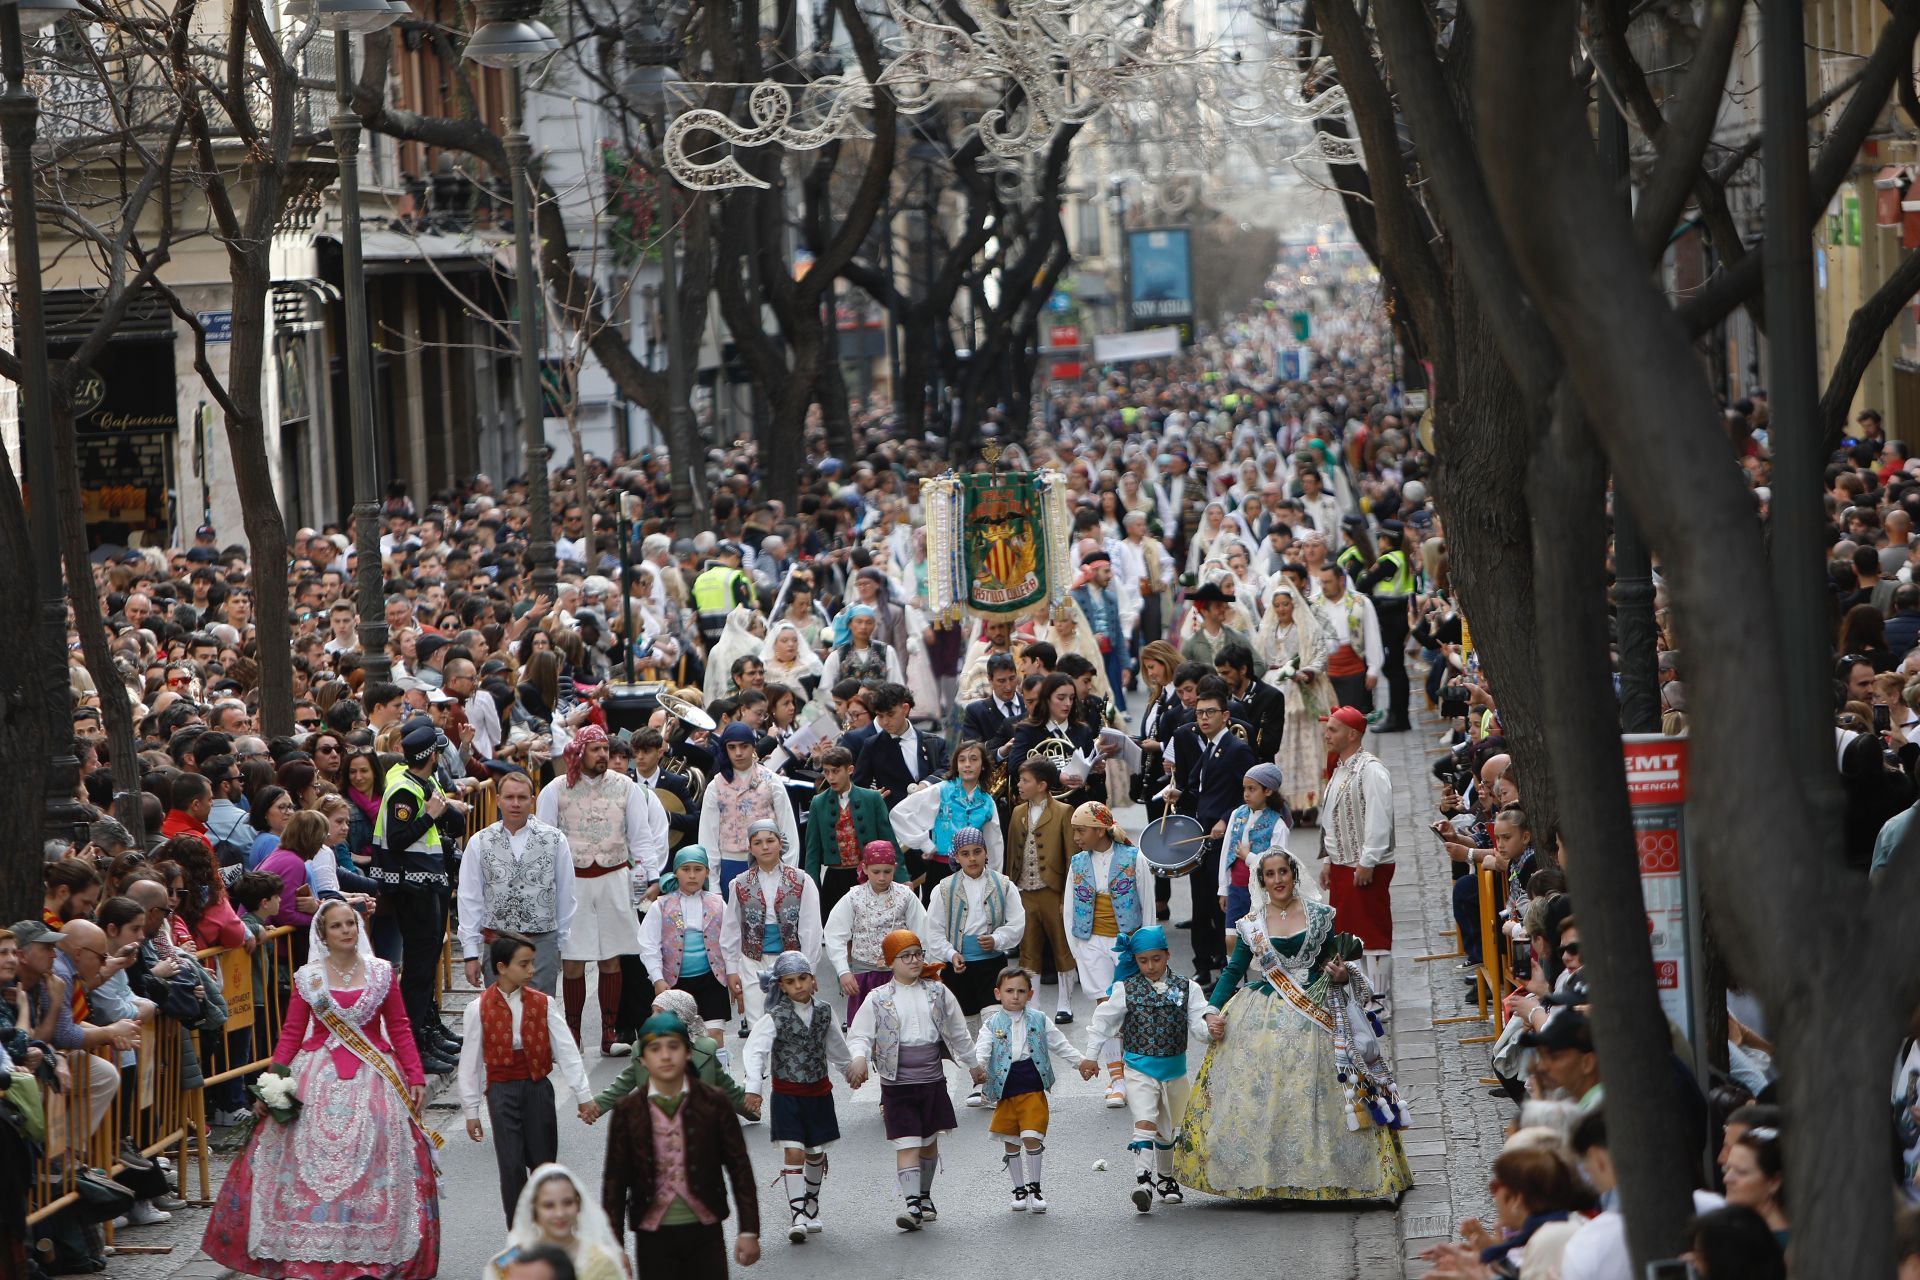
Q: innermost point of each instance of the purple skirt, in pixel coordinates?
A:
(865, 982)
(917, 1110)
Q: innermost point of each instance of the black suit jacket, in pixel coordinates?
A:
(854, 740)
(881, 767)
(1264, 709)
(713, 1147)
(1217, 781)
(984, 723)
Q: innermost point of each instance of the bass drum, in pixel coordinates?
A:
(1173, 844)
(671, 803)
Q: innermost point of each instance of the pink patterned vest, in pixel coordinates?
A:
(874, 917)
(743, 801)
(594, 816)
(670, 1167)
(673, 934)
(753, 910)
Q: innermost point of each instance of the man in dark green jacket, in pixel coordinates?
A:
(831, 860)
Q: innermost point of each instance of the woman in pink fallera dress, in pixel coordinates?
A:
(348, 1189)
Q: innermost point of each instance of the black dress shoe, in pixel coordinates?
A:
(1062, 1018)
(435, 1065)
(1394, 726)
(1184, 924)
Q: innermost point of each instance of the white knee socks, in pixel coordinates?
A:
(909, 1181)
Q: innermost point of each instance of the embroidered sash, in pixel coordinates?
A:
(1283, 982)
(362, 1048)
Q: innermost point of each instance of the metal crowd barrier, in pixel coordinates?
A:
(149, 1107)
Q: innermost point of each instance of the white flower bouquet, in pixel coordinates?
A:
(274, 1088)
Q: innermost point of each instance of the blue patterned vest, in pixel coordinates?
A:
(999, 1027)
(1156, 1022)
(799, 1052)
(1120, 887)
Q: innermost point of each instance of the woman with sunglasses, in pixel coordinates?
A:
(329, 752)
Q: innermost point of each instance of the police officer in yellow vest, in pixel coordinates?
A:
(413, 838)
(721, 586)
(1391, 584)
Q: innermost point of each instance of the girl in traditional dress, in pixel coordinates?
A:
(1292, 640)
(555, 1209)
(928, 819)
(1294, 1101)
(348, 1188)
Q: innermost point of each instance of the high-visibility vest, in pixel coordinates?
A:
(1400, 582)
(1352, 560)
(400, 778)
(713, 590)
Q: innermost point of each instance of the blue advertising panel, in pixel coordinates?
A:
(1159, 277)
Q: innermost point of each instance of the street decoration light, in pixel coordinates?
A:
(511, 39)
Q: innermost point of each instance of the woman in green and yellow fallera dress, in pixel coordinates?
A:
(1294, 1101)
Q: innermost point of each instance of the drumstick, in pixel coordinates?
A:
(1189, 840)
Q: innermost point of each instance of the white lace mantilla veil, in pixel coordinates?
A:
(737, 640)
(806, 660)
(317, 937)
(591, 1229)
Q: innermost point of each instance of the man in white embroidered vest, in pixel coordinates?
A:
(516, 876)
(1356, 828)
(618, 834)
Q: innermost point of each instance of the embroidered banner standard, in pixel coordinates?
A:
(1006, 546)
(996, 543)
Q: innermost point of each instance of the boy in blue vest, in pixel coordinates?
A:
(793, 1044)
(1017, 1047)
(1154, 1012)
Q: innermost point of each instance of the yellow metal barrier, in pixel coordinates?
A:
(1492, 974)
(148, 1106)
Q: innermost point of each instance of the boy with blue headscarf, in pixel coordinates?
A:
(1155, 1012)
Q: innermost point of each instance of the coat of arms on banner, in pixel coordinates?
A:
(1006, 549)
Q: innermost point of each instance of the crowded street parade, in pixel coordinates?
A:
(1057, 637)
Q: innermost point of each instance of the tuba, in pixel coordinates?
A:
(1059, 751)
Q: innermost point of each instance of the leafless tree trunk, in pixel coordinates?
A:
(1799, 926)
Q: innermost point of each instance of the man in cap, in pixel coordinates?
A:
(670, 1145)
(412, 834)
(1564, 1056)
(1392, 585)
(1356, 826)
(616, 830)
(52, 984)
